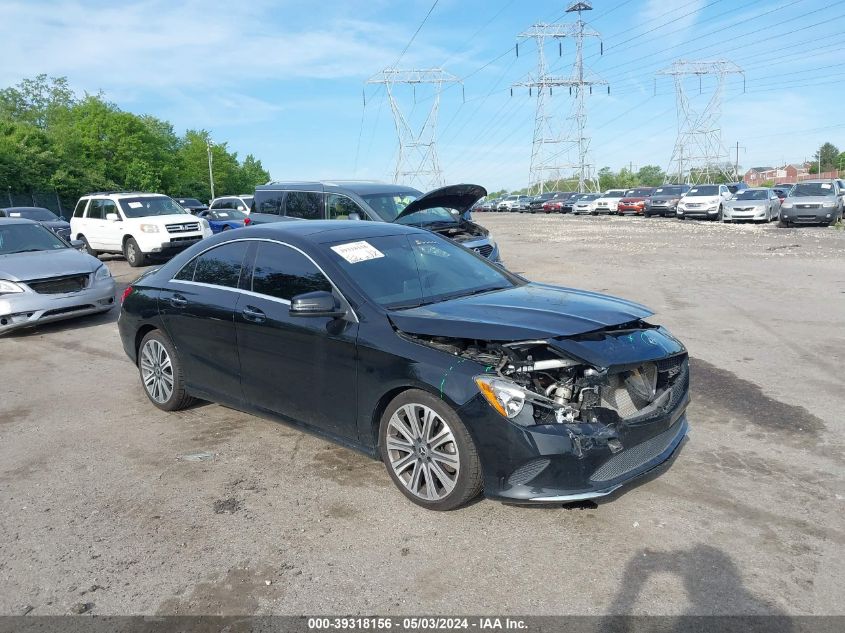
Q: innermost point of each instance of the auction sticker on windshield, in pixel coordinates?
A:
(355, 252)
(135, 205)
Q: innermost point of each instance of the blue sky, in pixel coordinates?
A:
(283, 80)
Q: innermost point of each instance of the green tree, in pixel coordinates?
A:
(650, 176)
(828, 155)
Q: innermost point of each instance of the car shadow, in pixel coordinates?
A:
(712, 583)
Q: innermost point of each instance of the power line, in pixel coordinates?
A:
(414, 36)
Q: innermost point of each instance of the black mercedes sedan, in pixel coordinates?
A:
(460, 376)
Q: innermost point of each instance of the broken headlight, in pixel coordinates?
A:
(503, 395)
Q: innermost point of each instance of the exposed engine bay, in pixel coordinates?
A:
(532, 376)
(463, 232)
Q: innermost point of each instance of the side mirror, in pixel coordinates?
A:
(354, 215)
(316, 304)
(78, 245)
(112, 217)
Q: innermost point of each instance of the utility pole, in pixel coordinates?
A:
(736, 164)
(699, 139)
(417, 161)
(210, 172)
(580, 80)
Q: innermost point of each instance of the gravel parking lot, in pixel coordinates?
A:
(115, 505)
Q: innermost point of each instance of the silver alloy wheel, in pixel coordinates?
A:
(422, 451)
(131, 255)
(156, 371)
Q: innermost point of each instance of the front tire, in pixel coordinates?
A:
(133, 254)
(428, 452)
(161, 373)
(88, 248)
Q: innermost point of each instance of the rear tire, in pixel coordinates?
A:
(161, 373)
(428, 452)
(132, 253)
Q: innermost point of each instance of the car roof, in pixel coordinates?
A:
(17, 221)
(320, 231)
(124, 194)
(25, 209)
(359, 187)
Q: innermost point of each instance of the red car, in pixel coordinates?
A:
(556, 204)
(635, 201)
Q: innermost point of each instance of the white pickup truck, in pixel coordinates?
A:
(139, 225)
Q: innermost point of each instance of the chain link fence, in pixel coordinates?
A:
(46, 199)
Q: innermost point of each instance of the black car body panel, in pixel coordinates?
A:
(334, 376)
(526, 312)
(461, 198)
(59, 226)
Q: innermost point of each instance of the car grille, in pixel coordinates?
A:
(807, 206)
(177, 240)
(635, 457)
(69, 310)
(693, 205)
(484, 250)
(183, 228)
(672, 377)
(743, 208)
(59, 285)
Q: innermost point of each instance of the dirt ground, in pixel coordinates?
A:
(115, 505)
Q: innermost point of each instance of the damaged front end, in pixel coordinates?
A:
(587, 412)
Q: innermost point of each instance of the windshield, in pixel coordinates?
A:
(247, 200)
(706, 190)
(405, 271)
(389, 205)
(808, 189)
(753, 194)
(614, 193)
(33, 213)
(190, 202)
(150, 205)
(224, 214)
(669, 191)
(589, 196)
(25, 238)
(639, 193)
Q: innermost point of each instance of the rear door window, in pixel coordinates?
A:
(271, 202)
(220, 266)
(307, 205)
(80, 208)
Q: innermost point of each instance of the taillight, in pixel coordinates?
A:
(126, 292)
(247, 221)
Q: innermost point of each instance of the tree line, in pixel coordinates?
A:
(52, 139)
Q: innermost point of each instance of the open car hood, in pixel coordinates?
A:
(525, 312)
(458, 197)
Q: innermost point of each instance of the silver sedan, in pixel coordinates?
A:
(43, 278)
(757, 205)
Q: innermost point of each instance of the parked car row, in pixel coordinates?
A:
(808, 202)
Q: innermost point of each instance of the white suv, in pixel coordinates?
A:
(609, 201)
(139, 225)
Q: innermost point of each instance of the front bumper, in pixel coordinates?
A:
(697, 212)
(551, 463)
(631, 209)
(819, 215)
(757, 213)
(29, 308)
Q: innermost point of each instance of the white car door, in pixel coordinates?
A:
(94, 225)
(112, 230)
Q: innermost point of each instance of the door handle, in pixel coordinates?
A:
(251, 313)
(178, 301)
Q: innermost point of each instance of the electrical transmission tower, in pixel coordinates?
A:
(544, 160)
(699, 156)
(417, 161)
